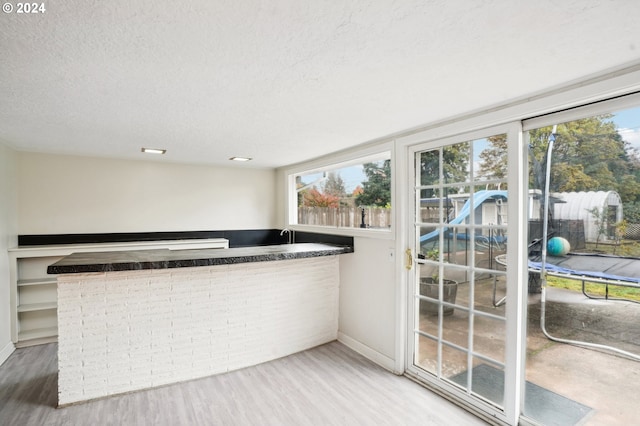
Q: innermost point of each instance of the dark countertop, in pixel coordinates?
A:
(165, 259)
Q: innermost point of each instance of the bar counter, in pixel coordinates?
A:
(135, 320)
(184, 258)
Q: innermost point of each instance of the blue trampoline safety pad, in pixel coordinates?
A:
(601, 266)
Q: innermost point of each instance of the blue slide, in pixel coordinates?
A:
(478, 198)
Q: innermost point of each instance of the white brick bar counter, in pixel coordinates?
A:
(126, 330)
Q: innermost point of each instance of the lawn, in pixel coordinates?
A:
(598, 290)
(625, 248)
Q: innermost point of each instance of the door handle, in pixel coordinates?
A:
(409, 262)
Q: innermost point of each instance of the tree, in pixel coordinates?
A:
(334, 185)
(315, 198)
(589, 155)
(455, 162)
(299, 190)
(329, 194)
(494, 158)
(632, 212)
(376, 190)
(600, 220)
(455, 166)
(629, 188)
(571, 178)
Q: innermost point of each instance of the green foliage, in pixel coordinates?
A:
(376, 190)
(600, 220)
(629, 188)
(632, 211)
(620, 231)
(589, 155)
(494, 158)
(571, 178)
(455, 164)
(433, 254)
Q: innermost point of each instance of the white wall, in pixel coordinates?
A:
(7, 239)
(68, 194)
(368, 321)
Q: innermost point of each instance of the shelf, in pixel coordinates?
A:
(38, 333)
(33, 292)
(36, 281)
(30, 307)
(67, 249)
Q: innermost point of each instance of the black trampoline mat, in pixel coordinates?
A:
(583, 263)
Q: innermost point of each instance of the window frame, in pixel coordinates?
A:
(359, 155)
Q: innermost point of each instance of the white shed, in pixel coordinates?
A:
(577, 206)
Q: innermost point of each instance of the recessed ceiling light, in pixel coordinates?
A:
(153, 151)
(240, 159)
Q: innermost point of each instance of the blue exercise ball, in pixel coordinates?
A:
(558, 246)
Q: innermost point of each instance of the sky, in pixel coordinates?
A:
(628, 122)
(352, 177)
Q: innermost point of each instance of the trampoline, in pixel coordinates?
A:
(608, 270)
(618, 272)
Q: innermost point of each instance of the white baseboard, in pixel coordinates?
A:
(6, 351)
(371, 354)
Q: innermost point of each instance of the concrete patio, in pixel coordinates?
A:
(606, 382)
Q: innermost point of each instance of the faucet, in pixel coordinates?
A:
(289, 233)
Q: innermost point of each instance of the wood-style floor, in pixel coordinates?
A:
(327, 385)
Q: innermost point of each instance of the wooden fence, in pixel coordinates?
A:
(346, 217)
(380, 217)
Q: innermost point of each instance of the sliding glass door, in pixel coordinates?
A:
(583, 337)
(464, 302)
(523, 290)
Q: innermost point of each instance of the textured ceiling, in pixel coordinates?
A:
(283, 81)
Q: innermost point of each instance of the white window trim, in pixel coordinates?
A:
(334, 161)
(577, 113)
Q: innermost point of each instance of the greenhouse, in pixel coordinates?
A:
(600, 211)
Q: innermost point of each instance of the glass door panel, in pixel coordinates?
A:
(460, 227)
(593, 199)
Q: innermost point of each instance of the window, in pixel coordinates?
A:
(354, 194)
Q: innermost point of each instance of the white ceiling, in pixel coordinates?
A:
(283, 81)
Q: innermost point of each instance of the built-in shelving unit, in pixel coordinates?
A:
(34, 297)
